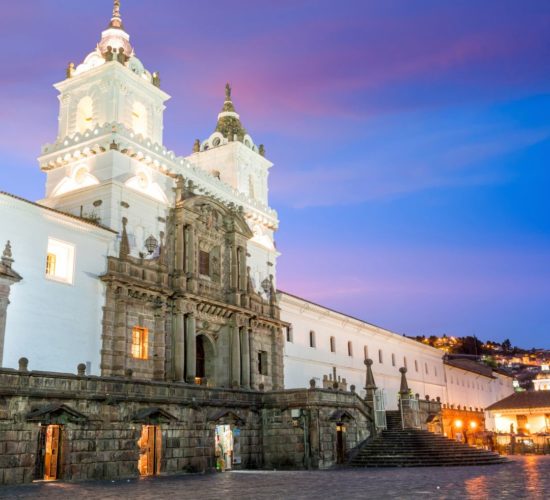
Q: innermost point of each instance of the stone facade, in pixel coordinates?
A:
(205, 322)
(101, 419)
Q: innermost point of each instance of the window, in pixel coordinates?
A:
(289, 334)
(426, 367)
(405, 361)
(416, 365)
(204, 263)
(60, 261)
(350, 349)
(262, 362)
(84, 114)
(139, 118)
(435, 371)
(393, 359)
(380, 356)
(139, 342)
(332, 344)
(311, 338)
(366, 352)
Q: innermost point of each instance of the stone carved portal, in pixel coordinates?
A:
(205, 324)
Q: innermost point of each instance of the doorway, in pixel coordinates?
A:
(224, 447)
(150, 444)
(49, 451)
(340, 443)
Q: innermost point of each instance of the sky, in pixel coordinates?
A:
(411, 140)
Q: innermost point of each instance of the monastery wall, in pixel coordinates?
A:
(389, 351)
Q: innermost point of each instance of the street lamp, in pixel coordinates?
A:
(458, 424)
(151, 244)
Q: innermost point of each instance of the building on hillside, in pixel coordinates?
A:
(542, 381)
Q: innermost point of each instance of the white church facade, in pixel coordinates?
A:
(157, 268)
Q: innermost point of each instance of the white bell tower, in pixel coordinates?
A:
(106, 155)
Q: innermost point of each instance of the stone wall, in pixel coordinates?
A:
(101, 421)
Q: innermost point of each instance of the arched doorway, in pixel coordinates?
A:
(205, 373)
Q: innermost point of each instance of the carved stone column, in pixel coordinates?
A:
(179, 347)
(190, 348)
(245, 357)
(7, 278)
(235, 356)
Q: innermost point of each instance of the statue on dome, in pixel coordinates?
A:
(121, 56)
(156, 79)
(108, 55)
(227, 92)
(197, 146)
(70, 70)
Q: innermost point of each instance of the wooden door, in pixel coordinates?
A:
(51, 457)
(151, 448)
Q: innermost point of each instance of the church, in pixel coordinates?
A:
(141, 328)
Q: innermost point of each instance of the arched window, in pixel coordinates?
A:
(311, 338)
(393, 359)
(350, 349)
(380, 356)
(332, 344)
(84, 114)
(139, 118)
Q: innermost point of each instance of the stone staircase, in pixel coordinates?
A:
(396, 447)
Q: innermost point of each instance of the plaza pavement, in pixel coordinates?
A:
(522, 478)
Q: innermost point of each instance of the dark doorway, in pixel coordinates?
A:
(201, 361)
(340, 443)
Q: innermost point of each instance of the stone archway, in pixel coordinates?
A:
(206, 359)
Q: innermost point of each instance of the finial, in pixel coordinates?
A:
(116, 21)
(227, 92)
(7, 259)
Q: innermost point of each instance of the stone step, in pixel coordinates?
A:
(415, 448)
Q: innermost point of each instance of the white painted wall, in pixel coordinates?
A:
(302, 362)
(469, 389)
(55, 325)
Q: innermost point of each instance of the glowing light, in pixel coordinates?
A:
(458, 424)
(473, 425)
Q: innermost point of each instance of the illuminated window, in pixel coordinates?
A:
(139, 342)
(262, 362)
(311, 338)
(204, 263)
(60, 261)
(50, 264)
(380, 356)
(84, 114)
(332, 344)
(350, 349)
(139, 118)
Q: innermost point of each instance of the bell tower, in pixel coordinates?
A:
(109, 139)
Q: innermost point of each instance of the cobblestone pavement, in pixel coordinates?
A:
(525, 477)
